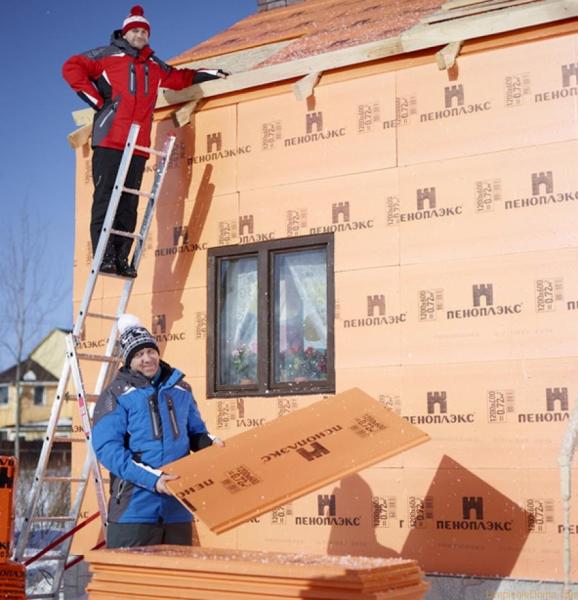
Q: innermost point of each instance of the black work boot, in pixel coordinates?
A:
(108, 264)
(123, 267)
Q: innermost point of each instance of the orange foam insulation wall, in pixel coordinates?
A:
(453, 202)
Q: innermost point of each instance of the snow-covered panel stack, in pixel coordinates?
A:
(213, 574)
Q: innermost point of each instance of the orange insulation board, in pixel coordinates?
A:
(286, 458)
(199, 573)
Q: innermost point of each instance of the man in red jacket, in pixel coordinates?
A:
(120, 82)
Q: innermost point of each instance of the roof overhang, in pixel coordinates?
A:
(456, 22)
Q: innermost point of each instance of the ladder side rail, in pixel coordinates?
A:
(88, 467)
(107, 226)
(144, 230)
(149, 211)
(111, 343)
(42, 464)
(87, 428)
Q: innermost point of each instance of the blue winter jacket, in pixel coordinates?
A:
(137, 428)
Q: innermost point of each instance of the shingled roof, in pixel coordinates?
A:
(313, 27)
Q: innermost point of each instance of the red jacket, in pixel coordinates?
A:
(121, 84)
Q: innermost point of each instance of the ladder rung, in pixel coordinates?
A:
(65, 478)
(53, 557)
(101, 316)
(151, 150)
(138, 192)
(97, 358)
(66, 519)
(115, 275)
(91, 397)
(134, 236)
(67, 440)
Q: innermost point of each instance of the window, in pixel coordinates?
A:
(4, 395)
(270, 318)
(38, 395)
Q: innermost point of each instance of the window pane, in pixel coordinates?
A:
(38, 394)
(4, 394)
(300, 345)
(238, 321)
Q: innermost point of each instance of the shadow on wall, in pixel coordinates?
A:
(462, 525)
(171, 272)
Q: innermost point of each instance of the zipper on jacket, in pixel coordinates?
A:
(146, 80)
(121, 487)
(173, 417)
(132, 78)
(108, 115)
(155, 417)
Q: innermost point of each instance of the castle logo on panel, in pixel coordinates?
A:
(182, 242)
(328, 515)
(437, 412)
(543, 193)
(483, 305)
(216, 150)
(376, 315)
(474, 518)
(160, 333)
(555, 405)
(427, 207)
(247, 233)
(568, 85)
(455, 105)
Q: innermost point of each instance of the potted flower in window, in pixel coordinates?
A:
(303, 364)
(244, 363)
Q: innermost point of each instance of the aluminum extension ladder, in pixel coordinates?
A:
(71, 368)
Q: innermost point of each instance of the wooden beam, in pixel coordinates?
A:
(446, 57)
(83, 117)
(182, 116)
(305, 86)
(422, 36)
(79, 137)
(471, 10)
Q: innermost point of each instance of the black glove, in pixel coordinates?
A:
(208, 74)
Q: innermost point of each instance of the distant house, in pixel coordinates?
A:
(39, 379)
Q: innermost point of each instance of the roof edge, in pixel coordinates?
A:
(420, 37)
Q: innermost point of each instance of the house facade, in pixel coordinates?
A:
(385, 201)
(39, 375)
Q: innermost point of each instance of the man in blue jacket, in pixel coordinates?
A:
(146, 418)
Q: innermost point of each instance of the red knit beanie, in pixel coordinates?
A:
(136, 19)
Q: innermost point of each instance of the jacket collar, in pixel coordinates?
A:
(119, 42)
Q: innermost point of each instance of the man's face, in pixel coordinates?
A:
(137, 37)
(146, 361)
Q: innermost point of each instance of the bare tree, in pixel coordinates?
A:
(29, 294)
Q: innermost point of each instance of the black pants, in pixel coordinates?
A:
(125, 535)
(105, 163)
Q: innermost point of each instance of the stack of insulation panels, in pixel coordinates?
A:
(217, 574)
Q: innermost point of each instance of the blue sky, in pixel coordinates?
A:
(36, 162)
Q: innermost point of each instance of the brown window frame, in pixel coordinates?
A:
(265, 252)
